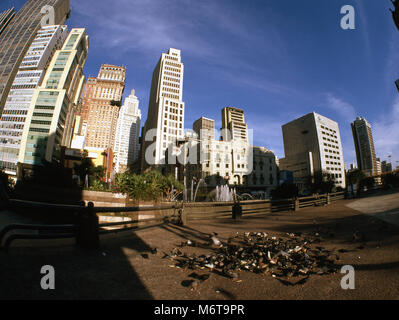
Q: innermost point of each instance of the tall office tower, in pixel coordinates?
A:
(50, 120)
(28, 78)
(127, 146)
(101, 103)
(19, 34)
(312, 144)
(364, 146)
(204, 128)
(233, 120)
(165, 121)
(386, 166)
(5, 19)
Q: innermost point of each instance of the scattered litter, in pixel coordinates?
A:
(256, 252)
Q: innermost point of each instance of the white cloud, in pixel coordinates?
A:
(344, 109)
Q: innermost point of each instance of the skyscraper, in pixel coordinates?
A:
(101, 103)
(5, 19)
(233, 119)
(50, 120)
(127, 146)
(312, 144)
(18, 36)
(165, 120)
(364, 146)
(28, 78)
(204, 128)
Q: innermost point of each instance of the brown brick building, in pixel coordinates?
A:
(100, 107)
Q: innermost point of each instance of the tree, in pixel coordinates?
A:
(285, 191)
(96, 174)
(321, 182)
(149, 186)
(355, 177)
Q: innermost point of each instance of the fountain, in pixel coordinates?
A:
(224, 193)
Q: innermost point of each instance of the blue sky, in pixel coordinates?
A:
(277, 60)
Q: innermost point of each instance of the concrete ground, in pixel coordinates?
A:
(119, 271)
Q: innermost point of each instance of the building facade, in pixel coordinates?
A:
(165, 121)
(18, 36)
(232, 161)
(234, 121)
(51, 117)
(312, 144)
(5, 19)
(101, 103)
(364, 146)
(29, 77)
(127, 147)
(386, 166)
(204, 128)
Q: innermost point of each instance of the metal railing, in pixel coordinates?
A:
(86, 227)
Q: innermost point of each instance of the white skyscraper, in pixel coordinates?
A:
(127, 147)
(28, 78)
(165, 121)
(312, 144)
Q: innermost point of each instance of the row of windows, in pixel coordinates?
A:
(13, 119)
(331, 151)
(174, 85)
(12, 126)
(177, 65)
(17, 112)
(40, 114)
(171, 90)
(41, 122)
(328, 129)
(172, 110)
(177, 75)
(171, 79)
(170, 96)
(171, 58)
(173, 70)
(331, 146)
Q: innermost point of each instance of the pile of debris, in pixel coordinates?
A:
(288, 257)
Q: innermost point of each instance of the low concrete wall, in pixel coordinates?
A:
(104, 199)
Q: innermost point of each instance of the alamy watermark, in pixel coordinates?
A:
(348, 20)
(47, 282)
(48, 18)
(348, 280)
(200, 149)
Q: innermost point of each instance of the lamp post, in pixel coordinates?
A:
(182, 144)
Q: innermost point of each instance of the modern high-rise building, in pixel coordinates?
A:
(127, 147)
(19, 34)
(28, 78)
(165, 121)
(50, 120)
(312, 144)
(101, 103)
(234, 121)
(204, 128)
(5, 19)
(386, 167)
(364, 146)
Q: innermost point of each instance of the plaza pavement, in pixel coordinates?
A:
(120, 269)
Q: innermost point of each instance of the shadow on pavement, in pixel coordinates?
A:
(101, 274)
